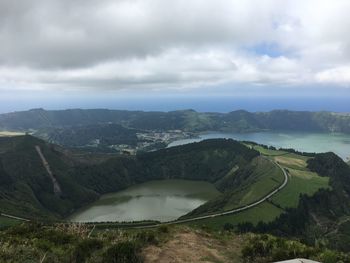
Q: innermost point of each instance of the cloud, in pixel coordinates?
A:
(162, 44)
(340, 75)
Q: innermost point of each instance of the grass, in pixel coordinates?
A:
(6, 222)
(300, 182)
(265, 212)
(268, 152)
(269, 177)
(292, 161)
(246, 186)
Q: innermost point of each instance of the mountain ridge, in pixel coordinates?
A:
(187, 120)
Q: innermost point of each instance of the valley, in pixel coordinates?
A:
(191, 180)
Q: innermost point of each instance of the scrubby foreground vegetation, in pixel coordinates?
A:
(73, 243)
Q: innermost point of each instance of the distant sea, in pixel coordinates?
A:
(227, 104)
(202, 104)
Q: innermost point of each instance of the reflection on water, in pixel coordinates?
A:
(156, 200)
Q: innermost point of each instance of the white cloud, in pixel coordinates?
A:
(339, 75)
(161, 44)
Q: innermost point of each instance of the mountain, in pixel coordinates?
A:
(26, 188)
(59, 184)
(186, 120)
(321, 218)
(102, 135)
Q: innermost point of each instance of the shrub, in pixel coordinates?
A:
(85, 248)
(124, 252)
(228, 227)
(146, 237)
(163, 229)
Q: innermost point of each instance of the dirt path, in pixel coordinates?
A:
(193, 246)
(14, 217)
(56, 186)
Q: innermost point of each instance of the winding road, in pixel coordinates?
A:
(233, 211)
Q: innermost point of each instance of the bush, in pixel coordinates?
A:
(146, 237)
(267, 248)
(228, 227)
(124, 252)
(163, 229)
(85, 248)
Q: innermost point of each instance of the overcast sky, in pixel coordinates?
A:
(173, 47)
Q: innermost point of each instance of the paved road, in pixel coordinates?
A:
(234, 211)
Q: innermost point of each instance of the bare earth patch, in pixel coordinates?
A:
(10, 134)
(291, 161)
(194, 246)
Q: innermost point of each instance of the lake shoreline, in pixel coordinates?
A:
(318, 142)
(170, 198)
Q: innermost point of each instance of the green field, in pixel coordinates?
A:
(268, 152)
(300, 181)
(267, 177)
(265, 212)
(243, 186)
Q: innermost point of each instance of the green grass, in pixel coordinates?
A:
(292, 161)
(6, 222)
(268, 152)
(265, 212)
(243, 187)
(300, 182)
(269, 177)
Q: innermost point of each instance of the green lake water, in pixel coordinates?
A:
(169, 199)
(163, 200)
(302, 141)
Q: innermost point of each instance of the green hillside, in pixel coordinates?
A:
(78, 136)
(187, 120)
(26, 189)
(244, 186)
(321, 218)
(314, 206)
(301, 180)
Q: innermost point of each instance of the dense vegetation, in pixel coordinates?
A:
(322, 218)
(73, 243)
(243, 186)
(101, 135)
(34, 242)
(187, 120)
(209, 160)
(26, 189)
(267, 248)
